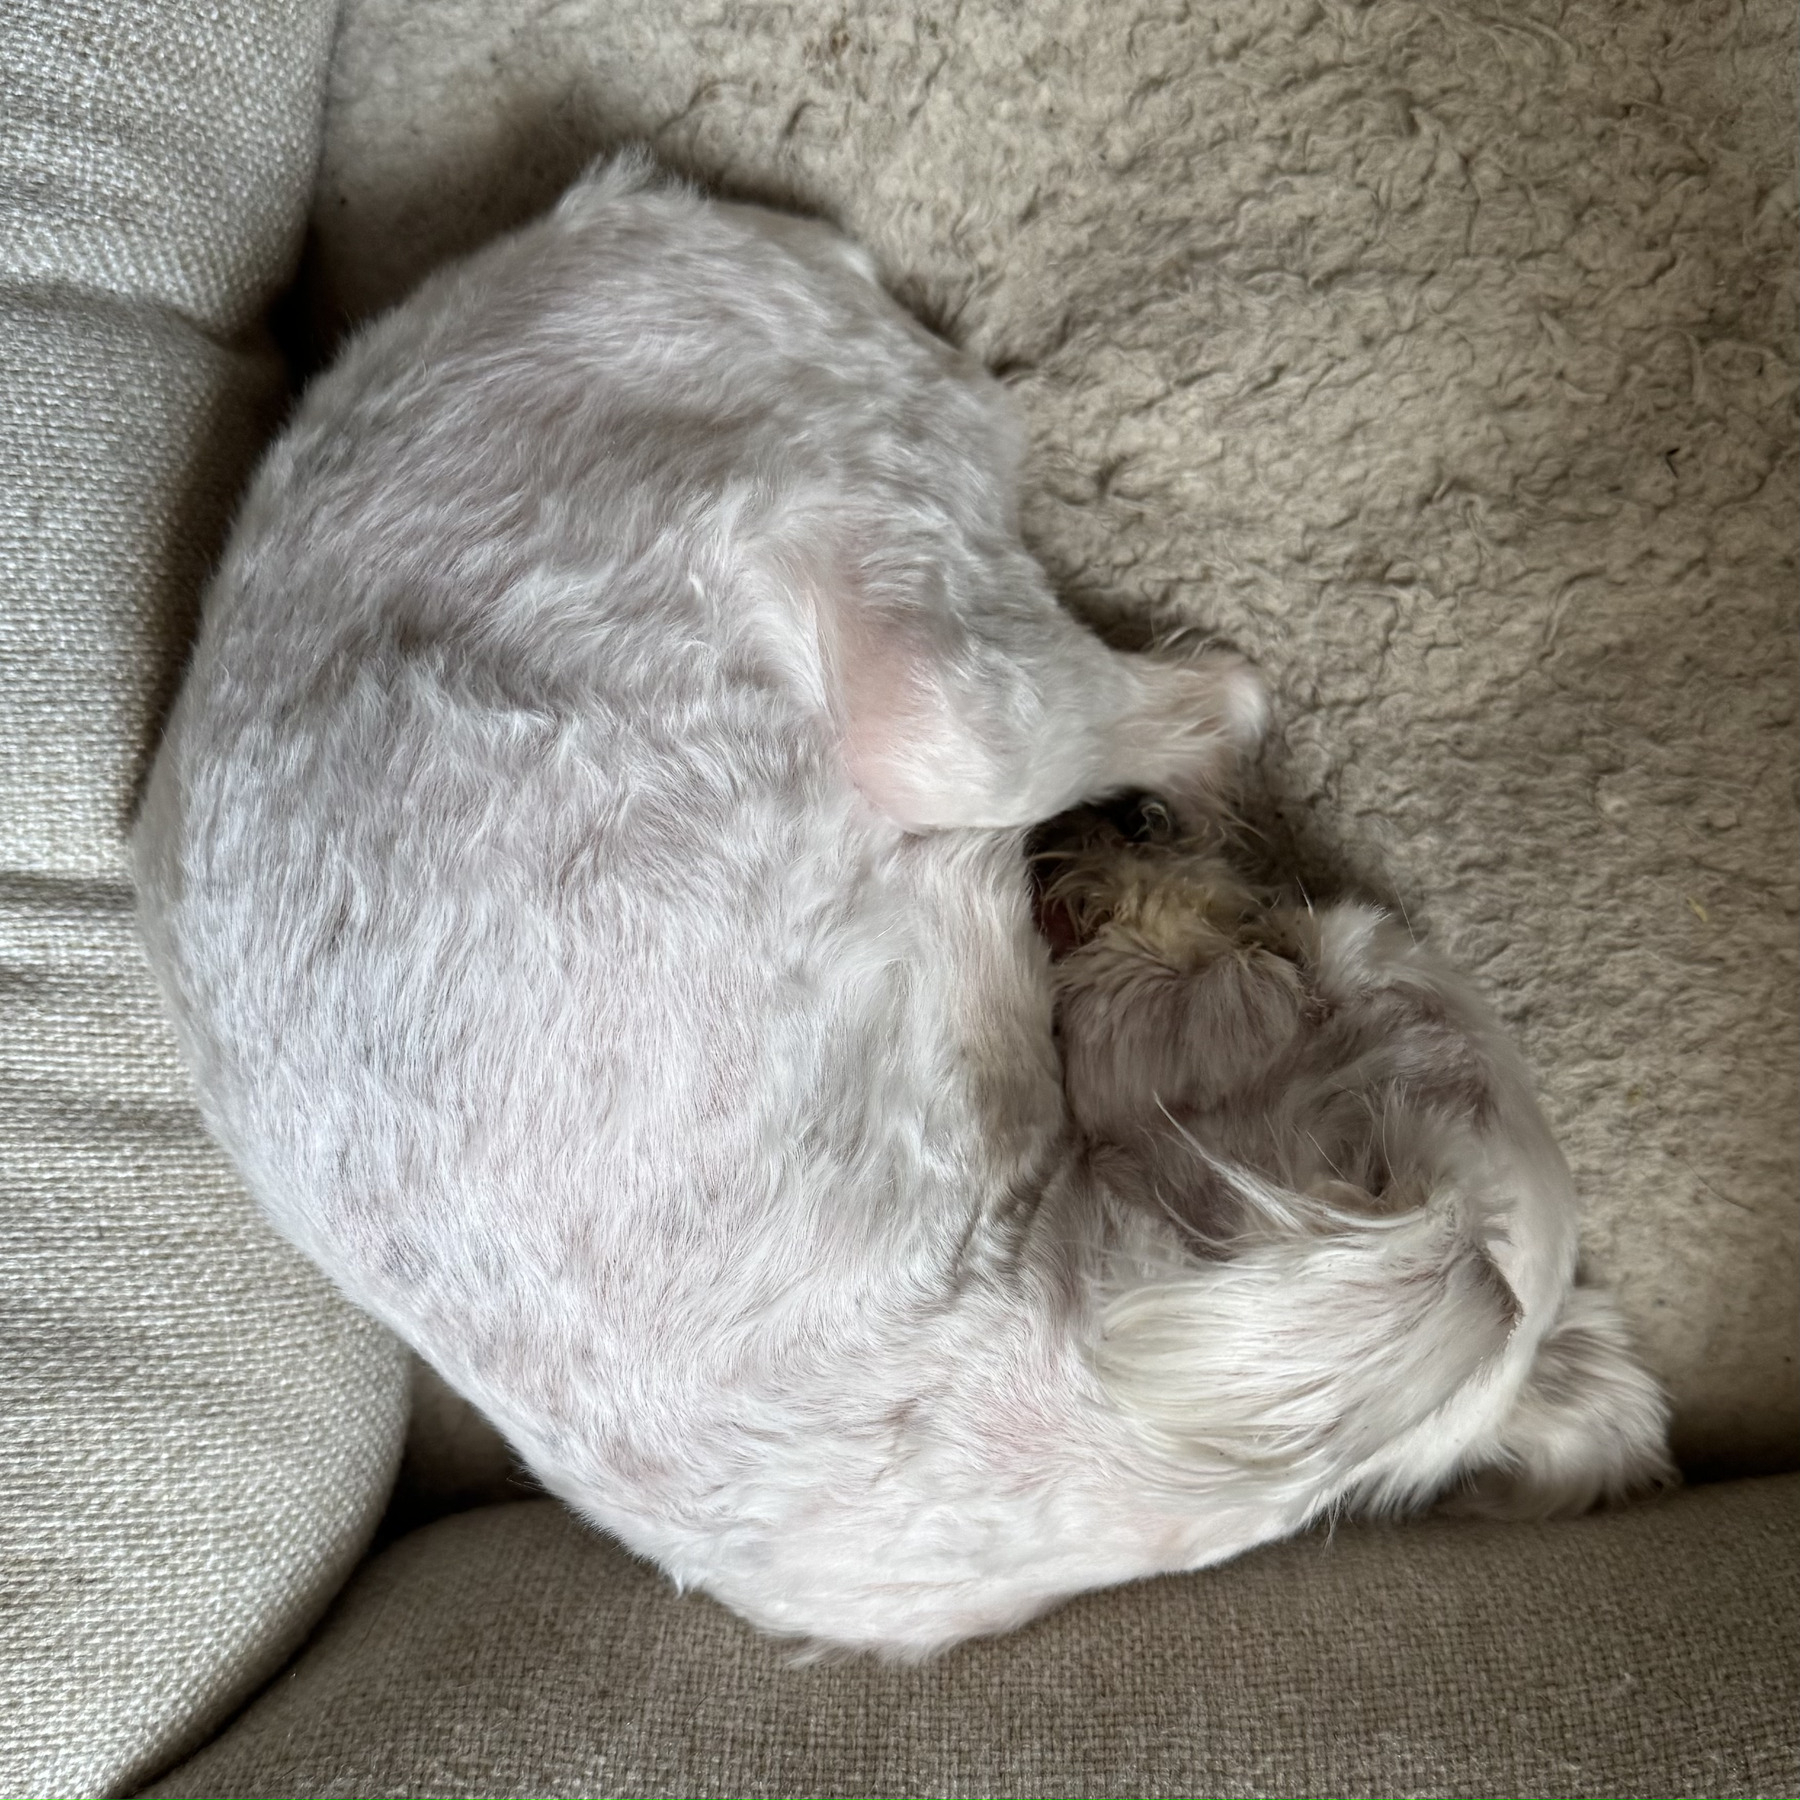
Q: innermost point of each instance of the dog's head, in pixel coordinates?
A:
(1285, 1082)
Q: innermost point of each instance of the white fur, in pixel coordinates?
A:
(585, 865)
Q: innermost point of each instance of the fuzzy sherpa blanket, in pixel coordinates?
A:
(1440, 356)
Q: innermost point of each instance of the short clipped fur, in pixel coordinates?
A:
(586, 868)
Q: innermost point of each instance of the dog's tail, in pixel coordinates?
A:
(1318, 1340)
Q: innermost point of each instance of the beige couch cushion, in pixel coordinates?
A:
(1442, 357)
(508, 1651)
(195, 1434)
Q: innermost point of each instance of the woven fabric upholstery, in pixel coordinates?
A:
(195, 1434)
(508, 1651)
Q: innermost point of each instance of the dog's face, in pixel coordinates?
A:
(1254, 1070)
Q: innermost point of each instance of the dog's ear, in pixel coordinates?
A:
(1589, 1425)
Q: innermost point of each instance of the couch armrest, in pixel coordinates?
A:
(197, 1433)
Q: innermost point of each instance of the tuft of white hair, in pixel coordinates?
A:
(1296, 1358)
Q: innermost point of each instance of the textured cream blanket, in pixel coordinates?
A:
(1441, 357)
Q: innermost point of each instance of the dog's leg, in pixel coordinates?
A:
(977, 701)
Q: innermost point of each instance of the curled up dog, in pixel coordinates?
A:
(586, 868)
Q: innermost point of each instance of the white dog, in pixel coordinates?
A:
(586, 867)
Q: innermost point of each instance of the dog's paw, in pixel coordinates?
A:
(1241, 697)
(1210, 715)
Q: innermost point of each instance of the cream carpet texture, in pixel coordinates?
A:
(195, 1435)
(1441, 356)
(508, 1651)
